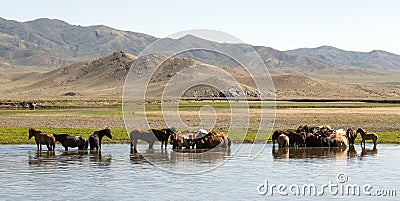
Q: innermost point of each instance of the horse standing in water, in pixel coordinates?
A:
(95, 138)
(367, 136)
(72, 141)
(42, 138)
(351, 135)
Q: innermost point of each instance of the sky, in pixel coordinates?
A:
(354, 25)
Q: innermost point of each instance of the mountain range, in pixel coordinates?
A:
(45, 59)
(47, 44)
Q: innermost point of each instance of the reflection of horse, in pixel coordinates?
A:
(368, 152)
(97, 136)
(42, 158)
(282, 152)
(149, 155)
(310, 152)
(197, 156)
(72, 141)
(97, 158)
(42, 138)
(367, 136)
(351, 152)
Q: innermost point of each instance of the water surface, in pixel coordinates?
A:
(116, 174)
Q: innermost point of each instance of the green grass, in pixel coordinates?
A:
(11, 135)
(20, 135)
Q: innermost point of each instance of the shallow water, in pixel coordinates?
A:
(117, 174)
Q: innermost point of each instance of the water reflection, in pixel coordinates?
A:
(96, 158)
(368, 152)
(322, 152)
(180, 157)
(41, 157)
(65, 158)
(310, 152)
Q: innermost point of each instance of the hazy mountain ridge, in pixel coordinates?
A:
(377, 59)
(55, 43)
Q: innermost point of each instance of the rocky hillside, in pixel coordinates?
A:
(105, 77)
(54, 43)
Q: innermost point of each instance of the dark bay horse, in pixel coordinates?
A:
(150, 136)
(72, 141)
(367, 136)
(42, 138)
(95, 138)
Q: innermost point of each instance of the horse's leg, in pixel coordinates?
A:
(151, 145)
(99, 144)
(66, 148)
(37, 144)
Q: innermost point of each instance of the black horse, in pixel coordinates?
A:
(95, 138)
(72, 141)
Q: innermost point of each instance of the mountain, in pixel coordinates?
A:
(47, 44)
(54, 43)
(376, 59)
(104, 78)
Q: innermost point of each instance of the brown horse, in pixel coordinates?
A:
(72, 141)
(351, 135)
(367, 136)
(283, 140)
(42, 138)
(150, 136)
(97, 136)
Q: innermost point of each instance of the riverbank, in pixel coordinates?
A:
(120, 136)
(67, 117)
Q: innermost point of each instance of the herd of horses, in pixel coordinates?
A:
(200, 139)
(322, 136)
(303, 136)
(67, 140)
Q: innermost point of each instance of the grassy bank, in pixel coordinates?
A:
(20, 135)
(381, 118)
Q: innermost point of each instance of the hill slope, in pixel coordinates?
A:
(54, 43)
(105, 78)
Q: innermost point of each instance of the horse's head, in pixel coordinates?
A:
(32, 132)
(169, 131)
(360, 130)
(106, 132)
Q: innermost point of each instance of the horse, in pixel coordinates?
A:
(351, 135)
(42, 138)
(367, 136)
(150, 136)
(283, 140)
(95, 138)
(72, 141)
(162, 135)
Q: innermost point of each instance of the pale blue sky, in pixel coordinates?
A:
(359, 25)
